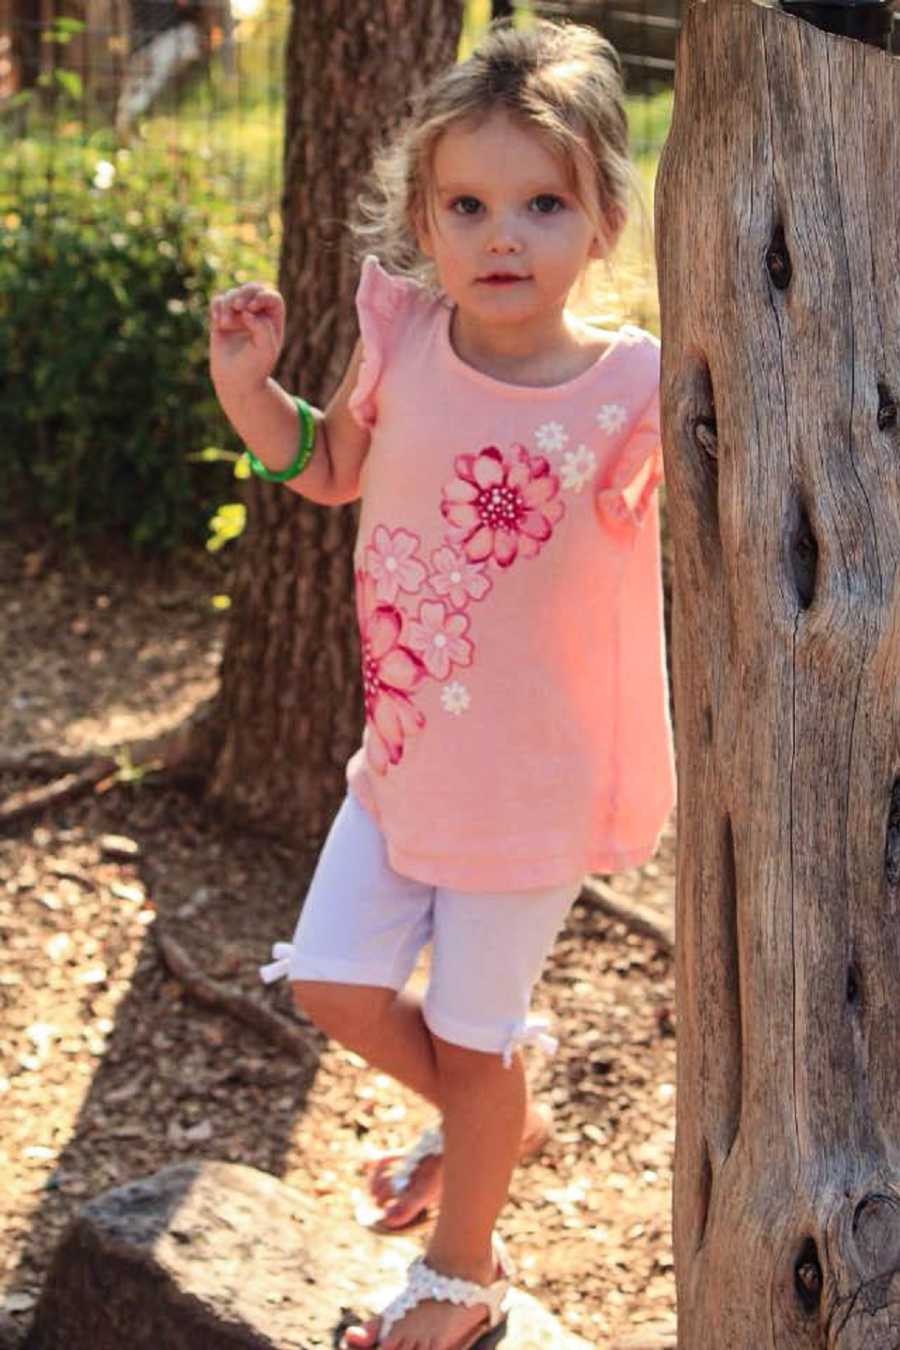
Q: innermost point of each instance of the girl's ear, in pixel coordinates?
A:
(605, 239)
(423, 232)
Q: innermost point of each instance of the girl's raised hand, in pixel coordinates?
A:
(246, 330)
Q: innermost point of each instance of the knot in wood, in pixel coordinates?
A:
(706, 436)
(808, 1276)
(854, 992)
(804, 557)
(876, 1232)
(892, 845)
(887, 408)
(778, 261)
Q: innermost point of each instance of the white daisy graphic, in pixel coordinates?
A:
(611, 417)
(455, 698)
(551, 436)
(577, 467)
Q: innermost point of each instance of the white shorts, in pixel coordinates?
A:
(364, 923)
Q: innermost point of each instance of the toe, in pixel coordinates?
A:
(400, 1213)
(366, 1335)
(378, 1177)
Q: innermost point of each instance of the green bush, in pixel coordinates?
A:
(104, 386)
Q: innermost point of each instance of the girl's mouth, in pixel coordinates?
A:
(500, 279)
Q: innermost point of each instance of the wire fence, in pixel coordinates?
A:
(187, 99)
(644, 33)
(198, 84)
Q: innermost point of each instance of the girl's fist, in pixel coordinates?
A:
(246, 330)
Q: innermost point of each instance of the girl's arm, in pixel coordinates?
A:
(246, 331)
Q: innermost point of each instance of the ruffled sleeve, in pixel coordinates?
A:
(380, 300)
(625, 491)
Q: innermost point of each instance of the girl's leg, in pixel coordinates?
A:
(387, 1029)
(484, 1108)
(384, 1026)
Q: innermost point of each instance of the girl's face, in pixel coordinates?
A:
(507, 234)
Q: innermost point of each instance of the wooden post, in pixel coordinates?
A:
(778, 217)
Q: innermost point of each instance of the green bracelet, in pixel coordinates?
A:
(305, 444)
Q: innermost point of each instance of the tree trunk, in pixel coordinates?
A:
(778, 208)
(20, 36)
(99, 53)
(289, 712)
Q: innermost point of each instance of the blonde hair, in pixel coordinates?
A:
(564, 80)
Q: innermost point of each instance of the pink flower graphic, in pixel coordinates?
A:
(439, 637)
(390, 562)
(502, 507)
(456, 579)
(390, 672)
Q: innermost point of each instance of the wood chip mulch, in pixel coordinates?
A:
(110, 1068)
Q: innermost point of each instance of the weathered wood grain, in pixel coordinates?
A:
(778, 213)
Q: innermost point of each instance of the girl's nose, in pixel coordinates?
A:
(504, 238)
(504, 242)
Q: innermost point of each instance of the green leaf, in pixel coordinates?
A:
(70, 81)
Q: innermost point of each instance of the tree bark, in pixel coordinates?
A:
(778, 212)
(289, 710)
(99, 53)
(20, 33)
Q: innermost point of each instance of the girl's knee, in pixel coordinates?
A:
(459, 1061)
(344, 1011)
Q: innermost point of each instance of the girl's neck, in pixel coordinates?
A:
(551, 352)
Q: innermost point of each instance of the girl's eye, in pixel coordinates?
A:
(465, 206)
(547, 203)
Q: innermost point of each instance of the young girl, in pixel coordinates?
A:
(509, 601)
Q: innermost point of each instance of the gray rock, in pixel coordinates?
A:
(217, 1256)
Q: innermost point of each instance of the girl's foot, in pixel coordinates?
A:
(440, 1326)
(423, 1192)
(435, 1322)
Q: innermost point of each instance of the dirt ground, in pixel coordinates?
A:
(110, 1070)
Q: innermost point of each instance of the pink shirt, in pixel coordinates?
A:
(510, 607)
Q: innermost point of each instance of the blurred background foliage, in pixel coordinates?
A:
(118, 225)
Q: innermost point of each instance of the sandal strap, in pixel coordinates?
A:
(423, 1283)
(429, 1141)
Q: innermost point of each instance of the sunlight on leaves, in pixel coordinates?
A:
(227, 524)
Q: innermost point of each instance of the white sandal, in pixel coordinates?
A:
(429, 1141)
(425, 1283)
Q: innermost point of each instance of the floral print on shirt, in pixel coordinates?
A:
(551, 436)
(439, 638)
(611, 418)
(502, 508)
(390, 674)
(390, 562)
(455, 698)
(577, 468)
(414, 618)
(457, 580)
